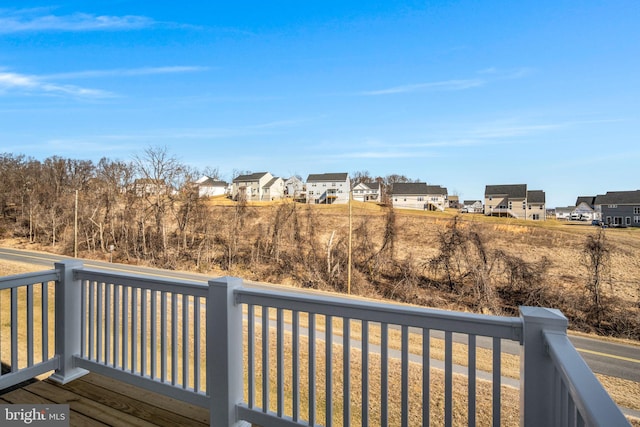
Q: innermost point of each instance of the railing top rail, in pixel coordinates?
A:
(467, 323)
(592, 401)
(28, 279)
(185, 287)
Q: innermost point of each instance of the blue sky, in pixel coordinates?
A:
(454, 93)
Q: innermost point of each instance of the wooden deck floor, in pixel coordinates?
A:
(95, 400)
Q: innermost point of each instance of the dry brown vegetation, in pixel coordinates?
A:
(461, 262)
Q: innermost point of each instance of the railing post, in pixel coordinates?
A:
(224, 352)
(67, 322)
(536, 370)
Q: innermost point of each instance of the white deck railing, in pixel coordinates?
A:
(278, 358)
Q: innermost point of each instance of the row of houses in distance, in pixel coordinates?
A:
(615, 209)
(512, 200)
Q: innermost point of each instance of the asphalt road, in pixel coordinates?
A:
(604, 357)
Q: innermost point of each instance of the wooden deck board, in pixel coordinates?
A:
(21, 396)
(96, 400)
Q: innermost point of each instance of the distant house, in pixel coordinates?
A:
(515, 201)
(328, 188)
(251, 187)
(585, 208)
(564, 212)
(209, 187)
(437, 198)
(149, 187)
(418, 195)
(368, 192)
(472, 206)
(619, 208)
(454, 202)
(294, 188)
(273, 190)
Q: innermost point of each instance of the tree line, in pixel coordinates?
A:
(148, 210)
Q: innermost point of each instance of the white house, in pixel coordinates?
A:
(585, 208)
(251, 186)
(472, 206)
(328, 188)
(209, 187)
(294, 188)
(368, 192)
(418, 195)
(273, 190)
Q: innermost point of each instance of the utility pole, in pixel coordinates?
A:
(75, 229)
(349, 260)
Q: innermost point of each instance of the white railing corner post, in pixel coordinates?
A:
(536, 368)
(224, 352)
(67, 322)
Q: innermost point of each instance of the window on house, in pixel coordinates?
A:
(613, 206)
(628, 220)
(420, 198)
(490, 198)
(636, 210)
(636, 219)
(536, 217)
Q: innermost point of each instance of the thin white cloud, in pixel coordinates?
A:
(32, 20)
(446, 85)
(123, 72)
(14, 82)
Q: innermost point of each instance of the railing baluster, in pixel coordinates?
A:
(365, 372)
(196, 344)
(91, 320)
(185, 341)
(426, 376)
(251, 354)
(265, 359)
(14, 329)
(174, 338)
(280, 362)
(471, 376)
(45, 320)
(312, 369)
(30, 325)
(144, 333)
(448, 378)
(107, 323)
(125, 327)
(346, 371)
(163, 336)
(384, 374)
(116, 325)
(328, 339)
(497, 387)
(295, 355)
(154, 334)
(83, 319)
(404, 381)
(135, 337)
(99, 321)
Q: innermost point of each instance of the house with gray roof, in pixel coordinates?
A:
(257, 186)
(585, 209)
(210, 187)
(328, 188)
(472, 206)
(514, 200)
(368, 192)
(418, 195)
(619, 208)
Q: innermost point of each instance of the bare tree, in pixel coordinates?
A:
(597, 259)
